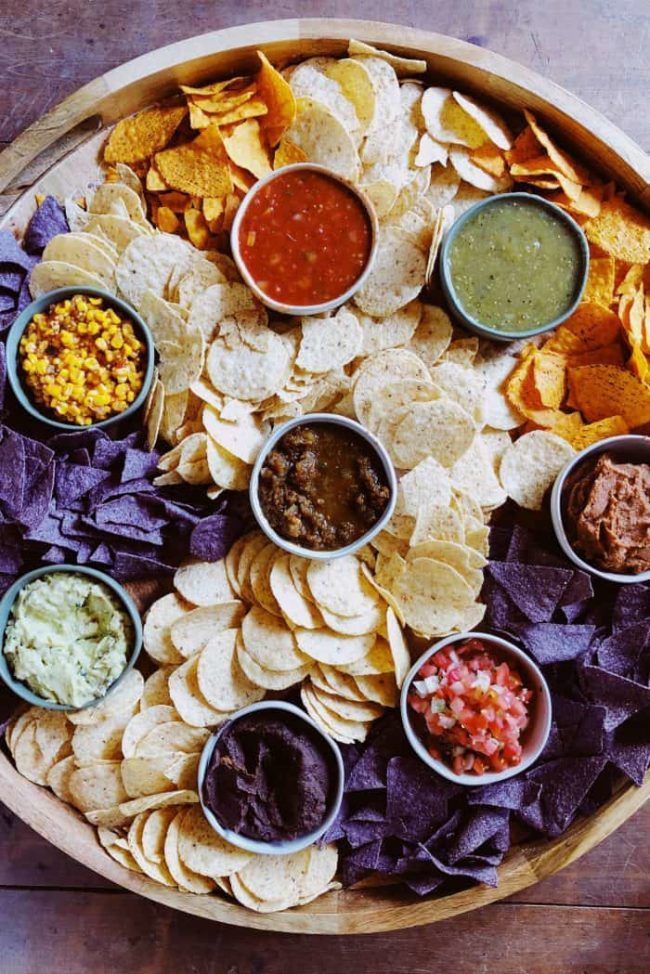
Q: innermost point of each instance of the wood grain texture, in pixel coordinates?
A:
(119, 934)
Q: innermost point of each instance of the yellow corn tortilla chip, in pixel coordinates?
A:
(246, 147)
(568, 426)
(139, 137)
(621, 231)
(197, 228)
(200, 167)
(593, 432)
(631, 276)
(224, 101)
(566, 165)
(166, 220)
(591, 326)
(490, 159)
(601, 391)
(288, 153)
(600, 283)
(638, 363)
(279, 99)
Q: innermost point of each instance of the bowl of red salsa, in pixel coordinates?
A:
(476, 709)
(304, 239)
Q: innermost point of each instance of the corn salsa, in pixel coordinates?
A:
(515, 265)
(81, 361)
(305, 238)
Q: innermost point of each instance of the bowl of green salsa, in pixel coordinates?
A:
(513, 266)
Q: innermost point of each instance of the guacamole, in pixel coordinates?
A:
(515, 265)
(67, 638)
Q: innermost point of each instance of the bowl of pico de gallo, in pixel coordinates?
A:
(476, 709)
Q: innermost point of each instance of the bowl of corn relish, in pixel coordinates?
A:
(80, 357)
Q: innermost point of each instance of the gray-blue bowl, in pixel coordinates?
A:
(455, 304)
(6, 603)
(40, 304)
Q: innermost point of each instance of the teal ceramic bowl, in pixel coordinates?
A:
(21, 689)
(455, 304)
(40, 304)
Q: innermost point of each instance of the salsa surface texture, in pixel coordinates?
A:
(269, 778)
(305, 238)
(515, 266)
(322, 486)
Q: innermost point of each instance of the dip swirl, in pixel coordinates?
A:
(269, 778)
(67, 638)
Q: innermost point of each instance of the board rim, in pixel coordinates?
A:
(371, 909)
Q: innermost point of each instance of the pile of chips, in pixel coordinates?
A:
(261, 620)
(82, 497)
(592, 641)
(129, 766)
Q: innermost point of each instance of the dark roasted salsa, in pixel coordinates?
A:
(322, 486)
(305, 238)
(606, 512)
(270, 777)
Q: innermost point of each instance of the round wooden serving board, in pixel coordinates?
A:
(59, 155)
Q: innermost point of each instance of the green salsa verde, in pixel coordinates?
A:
(515, 265)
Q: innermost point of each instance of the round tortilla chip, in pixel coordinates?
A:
(221, 679)
(329, 343)
(345, 708)
(339, 586)
(530, 465)
(58, 778)
(184, 877)
(203, 583)
(397, 276)
(140, 725)
(157, 639)
(385, 368)
(82, 251)
(380, 687)
(188, 699)
(322, 136)
(193, 631)
(259, 579)
(147, 262)
(326, 646)
(344, 731)
(378, 660)
(155, 831)
(97, 786)
(156, 690)
(202, 851)
(155, 870)
(269, 641)
(146, 776)
(297, 610)
(268, 679)
(441, 429)
(244, 372)
(226, 470)
(50, 275)
(170, 737)
(361, 625)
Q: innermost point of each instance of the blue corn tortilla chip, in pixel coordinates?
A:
(11, 559)
(565, 783)
(12, 466)
(3, 374)
(12, 254)
(73, 481)
(417, 798)
(212, 537)
(620, 697)
(535, 589)
(632, 605)
(550, 642)
(48, 221)
(127, 566)
(514, 793)
(627, 652)
(138, 464)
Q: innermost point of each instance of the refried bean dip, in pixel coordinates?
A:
(607, 514)
(322, 486)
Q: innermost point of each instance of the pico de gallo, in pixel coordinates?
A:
(473, 707)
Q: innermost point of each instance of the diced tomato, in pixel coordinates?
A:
(476, 715)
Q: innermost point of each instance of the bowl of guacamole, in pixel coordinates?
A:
(69, 635)
(513, 266)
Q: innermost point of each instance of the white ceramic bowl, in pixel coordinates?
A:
(302, 309)
(310, 419)
(536, 733)
(626, 448)
(279, 848)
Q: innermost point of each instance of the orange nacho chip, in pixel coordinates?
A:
(621, 231)
(166, 220)
(591, 326)
(525, 146)
(631, 310)
(568, 425)
(490, 159)
(549, 375)
(601, 391)
(279, 100)
(139, 137)
(200, 167)
(607, 355)
(601, 430)
(638, 363)
(214, 88)
(225, 101)
(197, 228)
(522, 393)
(586, 204)
(565, 164)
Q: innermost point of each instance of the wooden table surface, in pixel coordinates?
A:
(592, 918)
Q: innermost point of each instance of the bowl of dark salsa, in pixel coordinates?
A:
(270, 781)
(322, 486)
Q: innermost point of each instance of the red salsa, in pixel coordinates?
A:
(305, 238)
(472, 708)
